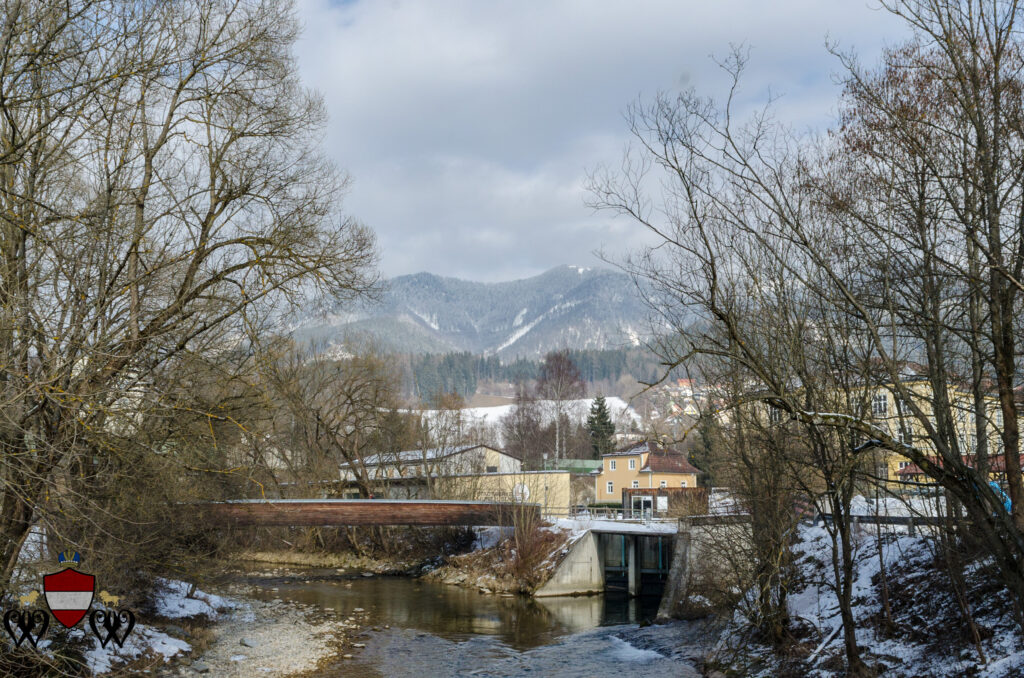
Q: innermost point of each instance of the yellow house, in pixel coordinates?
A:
(642, 464)
(552, 490)
(896, 416)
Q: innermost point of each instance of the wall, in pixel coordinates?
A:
(622, 476)
(550, 489)
(579, 572)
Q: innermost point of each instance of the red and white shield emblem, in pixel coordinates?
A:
(69, 595)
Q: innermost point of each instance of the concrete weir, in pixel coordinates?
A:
(580, 573)
(641, 562)
(602, 560)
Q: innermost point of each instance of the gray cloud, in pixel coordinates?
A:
(468, 126)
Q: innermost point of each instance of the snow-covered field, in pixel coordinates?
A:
(577, 410)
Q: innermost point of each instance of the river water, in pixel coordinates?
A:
(440, 630)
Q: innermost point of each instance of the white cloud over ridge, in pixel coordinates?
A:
(468, 126)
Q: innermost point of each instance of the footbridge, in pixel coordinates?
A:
(353, 512)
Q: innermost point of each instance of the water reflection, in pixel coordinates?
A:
(455, 612)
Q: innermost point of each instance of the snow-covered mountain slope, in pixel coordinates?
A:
(566, 307)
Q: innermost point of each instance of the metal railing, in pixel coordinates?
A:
(645, 516)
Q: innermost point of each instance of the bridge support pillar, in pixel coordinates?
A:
(633, 574)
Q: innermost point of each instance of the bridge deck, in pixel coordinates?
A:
(351, 512)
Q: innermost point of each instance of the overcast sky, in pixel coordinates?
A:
(468, 127)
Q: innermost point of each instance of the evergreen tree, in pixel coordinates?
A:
(602, 430)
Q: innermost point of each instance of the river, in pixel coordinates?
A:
(424, 629)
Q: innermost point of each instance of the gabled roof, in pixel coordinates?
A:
(659, 460)
(668, 463)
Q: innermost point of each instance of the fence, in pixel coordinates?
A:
(611, 513)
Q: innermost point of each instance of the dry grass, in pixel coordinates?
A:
(520, 563)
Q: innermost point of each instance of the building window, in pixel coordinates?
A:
(664, 483)
(999, 418)
(904, 464)
(636, 483)
(774, 415)
(492, 469)
(611, 487)
(682, 483)
(611, 467)
(880, 404)
(632, 464)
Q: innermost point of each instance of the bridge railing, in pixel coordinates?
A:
(612, 513)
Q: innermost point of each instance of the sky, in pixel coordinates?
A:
(468, 128)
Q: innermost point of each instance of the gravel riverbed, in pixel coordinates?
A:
(271, 638)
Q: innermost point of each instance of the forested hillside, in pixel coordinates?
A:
(565, 307)
(462, 373)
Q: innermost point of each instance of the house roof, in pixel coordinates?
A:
(414, 456)
(659, 460)
(668, 463)
(641, 447)
(910, 470)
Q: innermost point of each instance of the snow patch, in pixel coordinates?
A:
(173, 601)
(143, 639)
(430, 320)
(519, 318)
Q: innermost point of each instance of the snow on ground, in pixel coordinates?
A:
(173, 601)
(916, 505)
(141, 640)
(488, 537)
(620, 411)
(929, 638)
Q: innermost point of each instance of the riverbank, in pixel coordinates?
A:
(338, 560)
(273, 639)
(506, 563)
(240, 635)
(314, 622)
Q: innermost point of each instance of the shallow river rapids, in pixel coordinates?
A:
(425, 629)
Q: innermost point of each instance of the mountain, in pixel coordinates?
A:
(566, 307)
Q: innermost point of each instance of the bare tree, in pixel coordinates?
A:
(559, 381)
(161, 185)
(823, 268)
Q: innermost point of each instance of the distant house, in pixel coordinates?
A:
(642, 465)
(433, 462)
